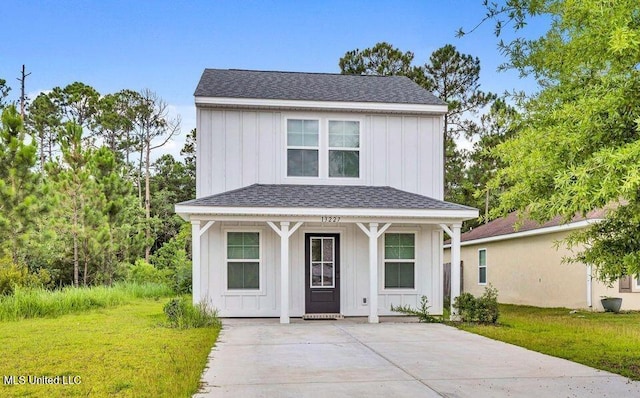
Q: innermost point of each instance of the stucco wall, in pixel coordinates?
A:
(529, 271)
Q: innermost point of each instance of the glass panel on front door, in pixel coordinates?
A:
(322, 262)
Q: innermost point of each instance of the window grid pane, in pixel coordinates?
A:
(399, 275)
(243, 245)
(482, 275)
(243, 275)
(302, 163)
(344, 163)
(399, 246)
(344, 134)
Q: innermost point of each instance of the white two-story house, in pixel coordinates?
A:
(318, 195)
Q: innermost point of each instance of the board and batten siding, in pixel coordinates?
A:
(354, 272)
(237, 148)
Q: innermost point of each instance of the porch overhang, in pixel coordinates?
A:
(285, 207)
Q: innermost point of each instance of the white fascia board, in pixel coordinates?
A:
(458, 215)
(532, 232)
(329, 105)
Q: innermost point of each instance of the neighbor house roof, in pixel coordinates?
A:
(502, 227)
(270, 85)
(323, 196)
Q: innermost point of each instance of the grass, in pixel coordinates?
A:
(117, 352)
(601, 340)
(37, 303)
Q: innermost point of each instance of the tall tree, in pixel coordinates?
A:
(114, 118)
(78, 200)
(189, 153)
(496, 126)
(452, 76)
(382, 59)
(153, 128)
(44, 123)
(455, 79)
(579, 147)
(77, 102)
(18, 183)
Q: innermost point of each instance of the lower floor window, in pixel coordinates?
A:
(399, 275)
(243, 260)
(399, 260)
(244, 275)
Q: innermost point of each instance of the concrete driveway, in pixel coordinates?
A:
(349, 358)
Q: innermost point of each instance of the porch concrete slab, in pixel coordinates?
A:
(261, 358)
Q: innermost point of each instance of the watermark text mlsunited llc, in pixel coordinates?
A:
(41, 380)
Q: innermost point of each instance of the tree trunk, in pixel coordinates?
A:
(147, 200)
(486, 207)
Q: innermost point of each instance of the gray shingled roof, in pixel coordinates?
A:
(235, 83)
(507, 225)
(323, 196)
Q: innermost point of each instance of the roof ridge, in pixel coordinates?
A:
(302, 72)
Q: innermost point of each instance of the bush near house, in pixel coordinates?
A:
(483, 309)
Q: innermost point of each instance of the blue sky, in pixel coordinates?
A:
(165, 45)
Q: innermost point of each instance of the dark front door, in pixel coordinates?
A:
(322, 273)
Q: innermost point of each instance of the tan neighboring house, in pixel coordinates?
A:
(526, 266)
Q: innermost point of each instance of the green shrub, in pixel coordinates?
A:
(421, 312)
(182, 314)
(483, 309)
(17, 275)
(143, 272)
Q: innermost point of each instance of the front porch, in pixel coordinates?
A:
(381, 246)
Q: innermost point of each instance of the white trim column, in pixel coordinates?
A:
(455, 265)
(195, 261)
(373, 233)
(454, 233)
(285, 233)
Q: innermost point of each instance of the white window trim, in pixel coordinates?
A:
(261, 291)
(637, 280)
(311, 148)
(345, 149)
(383, 260)
(485, 266)
(323, 150)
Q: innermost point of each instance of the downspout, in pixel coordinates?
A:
(589, 287)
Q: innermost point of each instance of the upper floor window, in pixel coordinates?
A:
(302, 148)
(344, 149)
(328, 149)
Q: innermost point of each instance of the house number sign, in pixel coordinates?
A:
(330, 219)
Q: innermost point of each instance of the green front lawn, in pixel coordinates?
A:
(604, 341)
(116, 352)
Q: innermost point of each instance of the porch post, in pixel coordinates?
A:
(284, 272)
(195, 258)
(455, 265)
(284, 233)
(373, 273)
